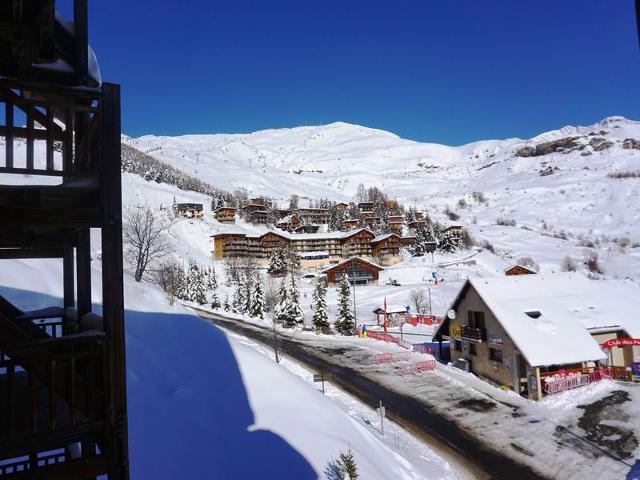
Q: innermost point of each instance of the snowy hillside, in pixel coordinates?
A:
(561, 196)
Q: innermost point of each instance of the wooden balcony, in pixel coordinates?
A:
(472, 334)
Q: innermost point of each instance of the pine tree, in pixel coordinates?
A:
(347, 465)
(247, 285)
(226, 305)
(277, 262)
(320, 317)
(183, 285)
(257, 304)
(345, 323)
(215, 301)
(237, 302)
(292, 263)
(448, 243)
(281, 310)
(212, 279)
(295, 315)
(198, 285)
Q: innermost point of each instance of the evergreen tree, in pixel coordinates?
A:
(247, 284)
(347, 465)
(448, 243)
(198, 291)
(215, 301)
(320, 317)
(226, 305)
(295, 315)
(257, 304)
(345, 324)
(183, 285)
(277, 262)
(212, 279)
(237, 302)
(281, 310)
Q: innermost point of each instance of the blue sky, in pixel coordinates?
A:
(449, 71)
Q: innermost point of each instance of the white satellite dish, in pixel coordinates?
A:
(451, 314)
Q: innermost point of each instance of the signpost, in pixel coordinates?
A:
(319, 378)
(381, 412)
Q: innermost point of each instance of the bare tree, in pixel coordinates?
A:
(420, 300)
(143, 234)
(168, 276)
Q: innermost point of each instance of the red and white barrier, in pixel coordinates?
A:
(385, 337)
(390, 357)
(419, 367)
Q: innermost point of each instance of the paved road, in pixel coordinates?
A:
(417, 417)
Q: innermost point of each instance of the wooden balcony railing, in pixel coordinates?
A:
(472, 334)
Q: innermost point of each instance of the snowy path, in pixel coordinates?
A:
(558, 438)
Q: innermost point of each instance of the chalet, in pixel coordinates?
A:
(342, 207)
(419, 216)
(372, 221)
(63, 397)
(337, 245)
(519, 270)
(188, 210)
(310, 228)
(225, 214)
(454, 230)
(258, 216)
(416, 225)
(356, 243)
(289, 223)
(365, 208)
(527, 331)
(315, 215)
(349, 224)
(357, 270)
(395, 314)
(386, 247)
(396, 224)
(408, 241)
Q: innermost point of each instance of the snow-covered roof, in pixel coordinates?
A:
(349, 260)
(569, 307)
(392, 308)
(379, 238)
(293, 236)
(321, 253)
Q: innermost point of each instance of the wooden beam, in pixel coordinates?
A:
(37, 238)
(30, 137)
(13, 253)
(83, 468)
(68, 278)
(50, 131)
(50, 217)
(81, 36)
(83, 270)
(23, 104)
(9, 134)
(34, 134)
(35, 171)
(112, 281)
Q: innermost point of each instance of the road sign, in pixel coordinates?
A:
(318, 377)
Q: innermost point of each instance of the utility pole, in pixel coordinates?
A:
(381, 412)
(430, 309)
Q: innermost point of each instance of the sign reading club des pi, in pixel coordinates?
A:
(621, 342)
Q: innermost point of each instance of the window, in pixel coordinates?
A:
(457, 345)
(475, 319)
(495, 355)
(473, 350)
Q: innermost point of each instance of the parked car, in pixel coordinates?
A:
(393, 283)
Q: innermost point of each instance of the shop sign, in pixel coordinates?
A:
(621, 342)
(494, 337)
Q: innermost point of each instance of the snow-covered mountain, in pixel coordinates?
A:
(557, 187)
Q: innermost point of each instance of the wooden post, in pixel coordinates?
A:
(112, 288)
(83, 264)
(68, 278)
(539, 381)
(9, 137)
(81, 36)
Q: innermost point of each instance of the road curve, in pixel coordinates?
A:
(439, 433)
